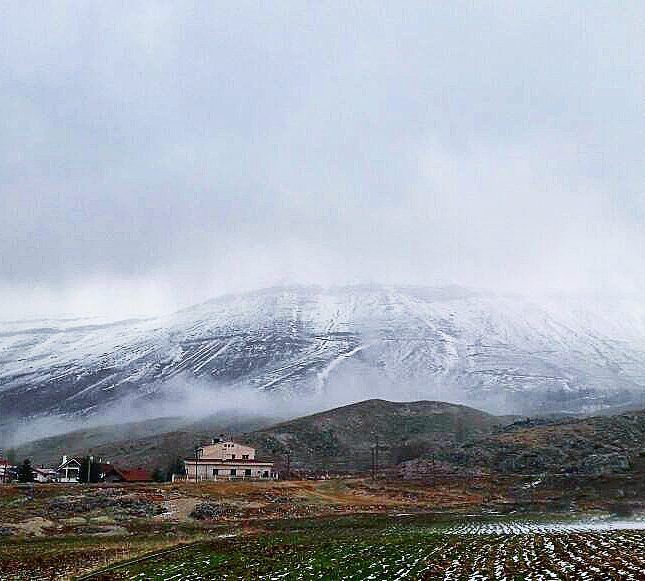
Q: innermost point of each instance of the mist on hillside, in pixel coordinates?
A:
(187, 400)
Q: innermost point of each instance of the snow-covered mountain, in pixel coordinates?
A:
(502, 353)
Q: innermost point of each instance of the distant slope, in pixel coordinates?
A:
(339, 439)
(500, 352)
(419, 439)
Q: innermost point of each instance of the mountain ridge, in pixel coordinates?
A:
(505, 353)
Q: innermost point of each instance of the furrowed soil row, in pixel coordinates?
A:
(535, 557)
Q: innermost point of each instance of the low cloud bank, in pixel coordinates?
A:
(187, 400)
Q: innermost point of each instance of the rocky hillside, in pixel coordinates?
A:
(337, 440)
(415, 439)
(342, 439)
(589, 446)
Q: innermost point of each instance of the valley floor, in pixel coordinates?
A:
(354, 528)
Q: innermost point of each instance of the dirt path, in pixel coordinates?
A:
(178, 509)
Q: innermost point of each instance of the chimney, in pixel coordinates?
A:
(64, 459)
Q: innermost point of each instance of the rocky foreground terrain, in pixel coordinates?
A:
(61, 531)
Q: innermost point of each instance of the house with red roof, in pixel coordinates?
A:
(116, 474)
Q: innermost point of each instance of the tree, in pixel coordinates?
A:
(25, 471)
(158, 475)
(11, 456)
(176, 466)
(94, 470)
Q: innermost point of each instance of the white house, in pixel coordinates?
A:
(7, 471)
(69, 469)
(227, 461)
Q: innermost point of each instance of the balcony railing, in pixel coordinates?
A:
(220, 477)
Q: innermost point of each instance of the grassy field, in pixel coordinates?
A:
(414, 548)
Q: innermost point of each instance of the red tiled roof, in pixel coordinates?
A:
(133, 475)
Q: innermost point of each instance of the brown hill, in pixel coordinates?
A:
(342, 439)
(338, 440)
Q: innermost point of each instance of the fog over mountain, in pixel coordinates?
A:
(287, 351)
(157, 155)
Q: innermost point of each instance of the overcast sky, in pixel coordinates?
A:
(155, 154)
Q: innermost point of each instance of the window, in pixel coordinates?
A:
(233, 472)
(266, 474)
(232, 456)
(245, 456)
(215, 471)
(247, 472)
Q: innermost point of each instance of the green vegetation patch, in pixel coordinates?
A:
(373, 548)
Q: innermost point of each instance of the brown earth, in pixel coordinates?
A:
(56, 531)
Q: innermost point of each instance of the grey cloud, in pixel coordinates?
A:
(154, 155)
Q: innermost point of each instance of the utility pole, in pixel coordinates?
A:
(288, 456)
(376, 455)
(375, 450)
(89, 468)
(196, 459)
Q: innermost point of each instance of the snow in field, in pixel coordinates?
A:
(501, 551)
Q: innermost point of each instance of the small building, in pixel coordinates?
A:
(115, 474)
(7, 471)
(69, 469)
(226, 460)
(42, 474)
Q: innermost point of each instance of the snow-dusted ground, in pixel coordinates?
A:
(523, 527)
(505, 353)
(475, 551)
